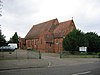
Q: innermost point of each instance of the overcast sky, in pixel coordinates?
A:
(20, 15)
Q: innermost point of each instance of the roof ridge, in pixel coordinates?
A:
(44, 26)
(52, 26)
(45, 21)
(66, 21)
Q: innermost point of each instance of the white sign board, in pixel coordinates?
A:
(83, 49)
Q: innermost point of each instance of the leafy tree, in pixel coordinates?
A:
(94, 42)
(74, 40)
(2, 39)
(14, 39)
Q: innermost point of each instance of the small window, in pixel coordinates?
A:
(36, 41)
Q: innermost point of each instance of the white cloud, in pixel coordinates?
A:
(17, 16)
(20, 15)
(92, 12)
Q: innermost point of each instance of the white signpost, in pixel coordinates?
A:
(83, 49)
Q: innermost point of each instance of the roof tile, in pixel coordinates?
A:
(38, 29)
(64, 28)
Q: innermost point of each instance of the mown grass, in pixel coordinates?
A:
(78, 55)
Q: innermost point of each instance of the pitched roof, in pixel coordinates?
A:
(38, 29)
(49, 37)
(64, 28)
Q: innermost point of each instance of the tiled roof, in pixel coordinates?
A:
(49, 37)
(64, 28)
(38, 29)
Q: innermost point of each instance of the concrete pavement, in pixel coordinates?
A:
(22, 63)
(55, 61)
(48, 60)
(21, 59)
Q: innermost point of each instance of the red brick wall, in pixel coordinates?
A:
(42, 44)
(22, 43)
(58, 45)
(49, 45)
(29, 44)
(32, 44)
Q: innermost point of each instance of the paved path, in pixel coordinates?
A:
(22, 63)
(21, 59)
(54, 60)
(48, 60)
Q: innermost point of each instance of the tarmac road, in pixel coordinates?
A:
(50, 64)
(83, 69)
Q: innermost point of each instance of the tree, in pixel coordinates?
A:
(74, 40)
(14, 39)
(2, 39)
(94, 42)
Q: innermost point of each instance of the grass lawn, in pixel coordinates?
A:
(79, 56)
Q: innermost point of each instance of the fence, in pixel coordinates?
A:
(76, 54)
(33, 53)
(21, 54)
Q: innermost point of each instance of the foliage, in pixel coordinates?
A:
(14, 38)
(93, 42)
(2, 39)
(74, 40)
(98, 53)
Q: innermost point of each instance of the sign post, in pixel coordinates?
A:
(83, 49)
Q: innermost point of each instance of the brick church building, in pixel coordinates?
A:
(47, 36)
